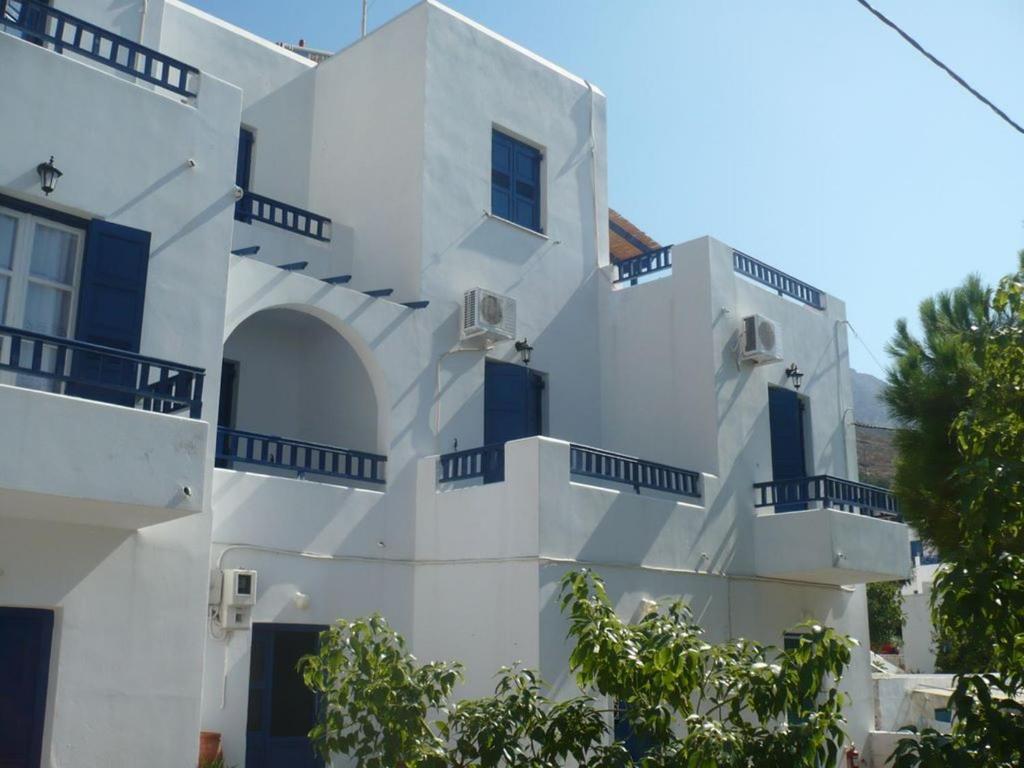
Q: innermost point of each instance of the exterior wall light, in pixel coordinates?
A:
(48, 175)
(525, 350)
(795, 374)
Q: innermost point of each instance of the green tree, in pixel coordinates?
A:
(927, 385)
(732, 705)
(885, 613)
(979, 594)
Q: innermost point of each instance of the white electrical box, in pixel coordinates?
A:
(238, 588)
(233, 594)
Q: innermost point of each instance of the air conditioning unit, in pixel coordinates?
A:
(488, 316)
(237, 597)
(761, 340)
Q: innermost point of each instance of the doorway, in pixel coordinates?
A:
(25, 637)
(281, 708)
(513, 404)
(786, 413)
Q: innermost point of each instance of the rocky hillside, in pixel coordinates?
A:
(875, 451)
(868, 407)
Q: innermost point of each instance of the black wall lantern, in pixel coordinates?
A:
(48, 175)
(795, 374)
(525, 350)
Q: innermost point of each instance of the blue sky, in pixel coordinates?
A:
(802, 132)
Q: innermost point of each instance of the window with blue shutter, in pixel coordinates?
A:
(243, 169)
(515, 181)
(112, 296)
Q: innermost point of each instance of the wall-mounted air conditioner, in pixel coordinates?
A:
(761, 340)
(488, 316)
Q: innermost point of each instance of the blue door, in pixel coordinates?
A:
(512, 404)
(786, 415)
(281, 708)
(25, 635)
(110, 308)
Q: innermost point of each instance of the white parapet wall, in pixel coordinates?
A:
(89, 463)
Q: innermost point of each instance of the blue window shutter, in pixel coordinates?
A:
(515, 181)
(501, 175)
(111, 300)
(243, 172)
(527, 187)
(243, 169)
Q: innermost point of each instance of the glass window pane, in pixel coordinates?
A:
(8, 228)
(4, 282)
(47, 310)
(53, 254)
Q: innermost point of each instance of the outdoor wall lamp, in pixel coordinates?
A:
(525, 350)
(48, 175)
(795, 374)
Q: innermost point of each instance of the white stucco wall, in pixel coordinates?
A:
(298, 378)
(130, 606)
(918, 647)
(257, 66)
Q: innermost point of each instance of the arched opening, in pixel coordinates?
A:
(297, 399)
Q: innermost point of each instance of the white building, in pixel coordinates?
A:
(919, 649)
(427, 160)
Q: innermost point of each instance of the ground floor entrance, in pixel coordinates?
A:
(25, 637)
(281, 708)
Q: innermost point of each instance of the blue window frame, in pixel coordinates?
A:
(515, 181)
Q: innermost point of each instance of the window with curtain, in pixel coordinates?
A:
(39, 265)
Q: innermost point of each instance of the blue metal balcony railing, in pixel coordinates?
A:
(48, 26)
(303, 458)
(253, 207)
(486, 462)
(101, 373)
(831, 492)
(786, 285)
(618, 468)
(635, 267)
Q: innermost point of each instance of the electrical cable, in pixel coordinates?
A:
(935, 60)
(863, 343)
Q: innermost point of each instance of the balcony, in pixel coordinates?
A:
(103, 437)
(64, 33)
(298, 457)
(488, 465)
(253, 207)
(777, 280)
(828, 530)
(554, 499)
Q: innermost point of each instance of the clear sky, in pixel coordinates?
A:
(803, 132)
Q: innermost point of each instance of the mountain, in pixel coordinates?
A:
(868, 407)
(875, 452)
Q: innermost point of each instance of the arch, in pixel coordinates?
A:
(311, 377)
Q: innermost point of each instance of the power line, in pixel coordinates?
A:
(943, 67)
(864, 344)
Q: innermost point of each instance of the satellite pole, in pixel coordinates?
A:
(363, 28)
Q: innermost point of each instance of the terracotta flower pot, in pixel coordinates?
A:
(209, 747)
